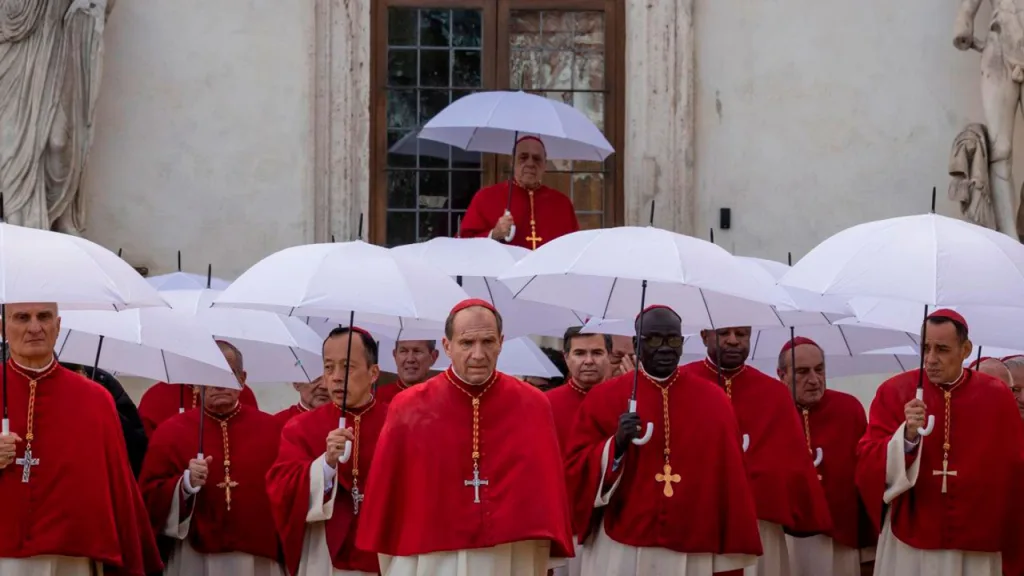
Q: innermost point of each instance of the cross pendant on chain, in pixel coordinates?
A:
(945, 473)
(534, 239)
(476, 483)
(26, 463)
(357, 499)
(227, 485)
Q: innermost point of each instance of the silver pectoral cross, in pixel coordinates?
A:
(357, 499)
(26, 464)
(476, 483)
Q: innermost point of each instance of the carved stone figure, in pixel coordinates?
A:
(50, 65)
(968, 166)
(1002, 72)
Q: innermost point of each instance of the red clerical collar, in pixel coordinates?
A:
(466, 387)
(357, 410)
(33, 374)
(572, 384)
(524, 187)
(403, 385)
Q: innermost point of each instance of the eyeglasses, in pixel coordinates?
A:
(659, 341)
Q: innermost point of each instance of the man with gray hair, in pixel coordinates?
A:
(1015, 364)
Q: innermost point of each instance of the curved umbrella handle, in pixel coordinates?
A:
(819, 456)
(648, 433)
(931, 419)
(746, 442)
(347, 453)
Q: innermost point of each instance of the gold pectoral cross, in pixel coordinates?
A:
(945, 473)
(533, 238)
(668, 478)
(227, 485)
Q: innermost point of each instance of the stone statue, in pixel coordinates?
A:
(968, 167)
(1002, 72)
(50, 65)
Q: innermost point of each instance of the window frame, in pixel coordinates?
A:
(495, 76)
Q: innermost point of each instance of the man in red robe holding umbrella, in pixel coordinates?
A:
(68, 501)
(467, 478)
(786, 488)
(833, 425)
(538, 213)
(316, 497)
(944, 502)
(679, 504)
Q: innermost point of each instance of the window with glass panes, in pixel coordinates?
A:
(429, 53)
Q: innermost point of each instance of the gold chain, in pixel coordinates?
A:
(948, 396)
(476, 415)
(728, 380)
(667, 476)
(195, 397)
(33, 383)
(227, 484)
(576, 387)
(355, 448)
(807, 429)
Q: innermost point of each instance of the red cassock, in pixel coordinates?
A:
(417, 501)
(782, 477)
(986, 451)
(163, 400)
(81, 499)
(553, 212)
(288, 413)
(836, 424)
(252, 441)
(387, 393)
(303, 440)
(711, 510)
(565, 402)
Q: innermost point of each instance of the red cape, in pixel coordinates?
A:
(304, 440)
(81, 500)
(782, 477)
(386, 394)
(553, 212)
(163, 400)
(249, 526)
(837, 423)
(986, 451)
(288, 413)
(565, 402)
(424, 458)
(712, 510)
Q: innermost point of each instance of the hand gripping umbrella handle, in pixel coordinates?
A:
(746, 442)
(348, 443)
(931, 419)
(511, 230)
(819, 455)
(650, 428)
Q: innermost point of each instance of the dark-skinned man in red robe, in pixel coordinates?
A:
(69, 505)
(678, 504)
(413, 359)
(786, 489)
(833, 424)
(467, 479)
(943, 502)
(538, 213)
(164, 400)
(215, 509)
(587, 359)
(317, 497)
(312, 395)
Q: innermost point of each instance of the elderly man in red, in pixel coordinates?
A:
(536, 214)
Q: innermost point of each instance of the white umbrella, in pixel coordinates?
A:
(269, 342)
(989, 325)
(360, 281)
(155, 343)
(186, 281)
(927, 260)
(477, 263)
(492, 121)
(44, 266)
(892, 361)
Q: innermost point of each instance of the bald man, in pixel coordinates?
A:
(1016, 366)
(995, 368)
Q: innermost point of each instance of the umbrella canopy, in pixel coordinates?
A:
(156, 343)
(44, 266)
(491, 122)
(186, 281)
(269, 342)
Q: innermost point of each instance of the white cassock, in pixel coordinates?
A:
(316, 557)
(820, 554)
(185, 561)
(894, 558)
(603, 556)
(50, 566)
